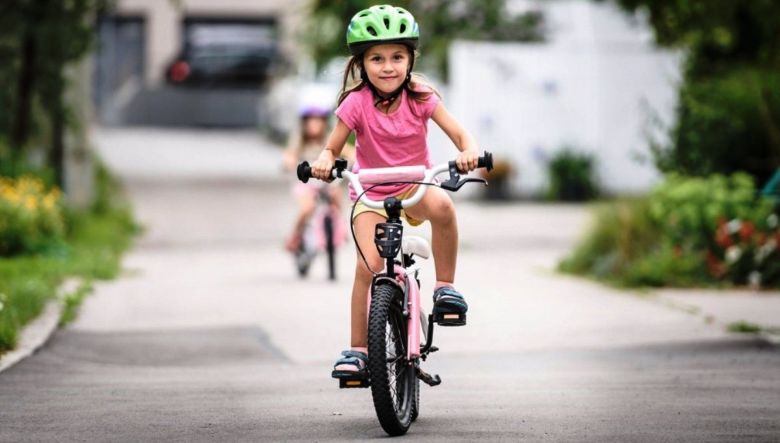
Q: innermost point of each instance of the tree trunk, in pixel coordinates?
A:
(57, 150)
(24, 87)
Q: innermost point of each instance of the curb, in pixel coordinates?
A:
(37, 332)
(771, 337)
(34, 335)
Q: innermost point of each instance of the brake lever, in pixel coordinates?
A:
(453, 186)
(455, 183)
(452, 183)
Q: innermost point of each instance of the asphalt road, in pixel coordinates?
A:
(209, 335)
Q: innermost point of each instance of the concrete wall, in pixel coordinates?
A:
(595, 86)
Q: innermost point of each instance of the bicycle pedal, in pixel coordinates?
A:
(351, 380)
(345, 383)
(450, 319)
(433, 349)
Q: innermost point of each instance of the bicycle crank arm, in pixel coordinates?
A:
(430, 380)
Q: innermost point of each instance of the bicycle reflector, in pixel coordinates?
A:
(387, 237)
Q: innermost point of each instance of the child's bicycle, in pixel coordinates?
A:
(396, 319)
(323, 233)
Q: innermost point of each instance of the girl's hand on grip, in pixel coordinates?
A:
(323, 165)
(467, 160)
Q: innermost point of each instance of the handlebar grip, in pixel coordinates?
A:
(486, 161)
(304, 172)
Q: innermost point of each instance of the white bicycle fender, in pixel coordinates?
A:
(416, 245)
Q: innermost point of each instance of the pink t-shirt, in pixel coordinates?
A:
(385, 140)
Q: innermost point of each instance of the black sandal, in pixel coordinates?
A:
(356, 359)
(449, 307)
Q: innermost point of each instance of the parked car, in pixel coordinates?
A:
(225, 54)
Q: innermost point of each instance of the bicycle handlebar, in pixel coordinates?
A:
(304, 170)
(340, 171)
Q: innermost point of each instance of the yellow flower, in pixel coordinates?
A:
(31, 203)
(11, 195)
(49, 201)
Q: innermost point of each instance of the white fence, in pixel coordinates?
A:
(598, 85)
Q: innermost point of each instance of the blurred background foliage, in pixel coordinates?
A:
(705, 223)
(689, 231)
(31, 218)
(440, 22)
(43, 241)
(728, 117)
(572, 176)
(38, 39)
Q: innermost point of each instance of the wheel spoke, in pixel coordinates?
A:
(394, 359)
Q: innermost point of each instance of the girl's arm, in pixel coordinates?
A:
(469, 153)
(336, 140)
(292, 153)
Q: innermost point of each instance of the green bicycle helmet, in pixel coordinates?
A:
(381, 24)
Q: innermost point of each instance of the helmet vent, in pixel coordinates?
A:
(387, 22)
(371, 30)
(403, 28)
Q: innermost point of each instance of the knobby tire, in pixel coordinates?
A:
(393, 380)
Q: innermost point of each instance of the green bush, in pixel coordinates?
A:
(571, 176)
(620, 233)
(688, 232)
(31, 218)
(726, 123)
(691, 208)
(26, 284)
(90, 247)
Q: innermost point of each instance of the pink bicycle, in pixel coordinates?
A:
(323, 234)
(400, 334)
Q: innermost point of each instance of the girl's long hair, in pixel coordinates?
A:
(354, 80)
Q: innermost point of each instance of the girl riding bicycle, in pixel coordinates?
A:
(388, 107)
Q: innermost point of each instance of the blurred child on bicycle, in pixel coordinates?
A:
(305, 144)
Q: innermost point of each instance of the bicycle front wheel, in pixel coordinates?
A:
(393, 377)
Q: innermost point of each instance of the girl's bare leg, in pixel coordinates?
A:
(437, 207)
(364, 232)
(306, 206)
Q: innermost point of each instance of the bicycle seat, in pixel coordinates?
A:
(416, 245)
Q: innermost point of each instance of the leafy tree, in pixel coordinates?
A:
(38, 39)
(728, 117)
(717, 32)
(441, 21)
